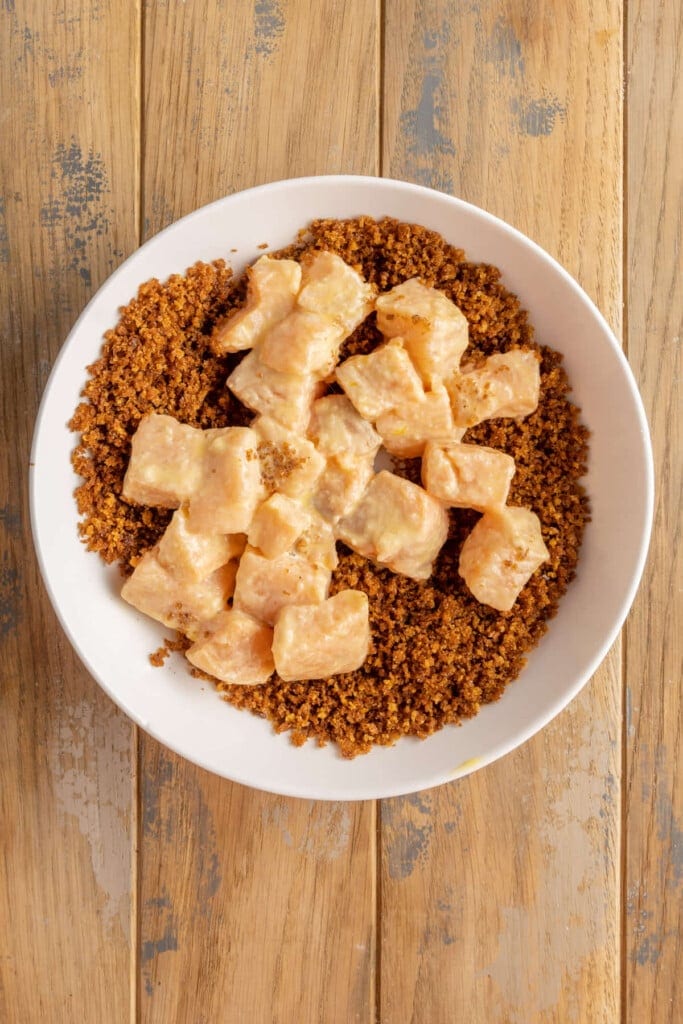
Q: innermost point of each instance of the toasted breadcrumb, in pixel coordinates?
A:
(436, 655)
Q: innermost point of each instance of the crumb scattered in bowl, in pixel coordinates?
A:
(437, 655)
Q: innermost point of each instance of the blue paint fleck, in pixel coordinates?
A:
(422, 123)
(504, 50)
(669, 831)
(408, 844)
(67, 73)
(10, 519)
(269, 24)
(152, 785)
(648, 951)
(10, 614)
(167, 943)
(422, 802)
(10, 593)
(4, 237)
(425, 125)
(78, 209)
(159, 823)
(537, 117)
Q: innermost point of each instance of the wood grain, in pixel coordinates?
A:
(499, 893)
(500, 897)
(653, 884)
(253, 908)
(68, 167)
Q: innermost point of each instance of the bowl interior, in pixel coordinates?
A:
(114, 641)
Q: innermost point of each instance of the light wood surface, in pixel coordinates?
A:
(134, 886)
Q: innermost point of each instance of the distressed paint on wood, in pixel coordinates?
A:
(252, 95)
(249, 901)
(68, 168)
(505, 106)
(653, 886)
(500, 892)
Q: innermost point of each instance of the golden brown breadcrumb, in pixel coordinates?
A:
(436, 654)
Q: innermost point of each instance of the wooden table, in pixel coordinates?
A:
(134, 886)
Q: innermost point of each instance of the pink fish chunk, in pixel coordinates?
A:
(397, 524)
(179, 604)
(194, 556)
(231, 485)
(290, 462)
(507, 385)
(303, 343)
(165, 463)
(337, 429)
(434, 330)
(381, 381)
(321, 640)
(405, 431)
(265, 585)
(277, 524)
(342, 484)
(237, 650)
(317, 544)
(331, 287)
(500, 555)
(271, 294)
(286, 397)
(467, 475)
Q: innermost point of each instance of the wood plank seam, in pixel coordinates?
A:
(623, 851)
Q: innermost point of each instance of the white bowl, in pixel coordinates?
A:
(114, 641)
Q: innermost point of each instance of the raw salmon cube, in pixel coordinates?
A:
(236, 651)
(342, 484)
(315, 641)
(277, 523)
(317, 544)
(165, 463)
(194, 556)
(383, 380)
(271, 295)
(467, 475)
(500, 555)
(303, 343)
(331, 287)
(397, 524)
(179, 604)
(290, 463)
(264, 585)
(337, 429)
(286, 397)
(230, 486)
(507, 385)
(433, 329)
(405, 430)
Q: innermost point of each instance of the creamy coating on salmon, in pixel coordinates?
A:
(315, 641)
(406, 430)
(237, 649)
(434, 331)
(507, 385)
(303, 474)
(467, 475)
(500, 554)
(272, 288)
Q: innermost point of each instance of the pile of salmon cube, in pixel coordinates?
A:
(245, 565)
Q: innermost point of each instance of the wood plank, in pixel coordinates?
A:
(252, 907)
(653, 953)
(500, 892)
(68, 166)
